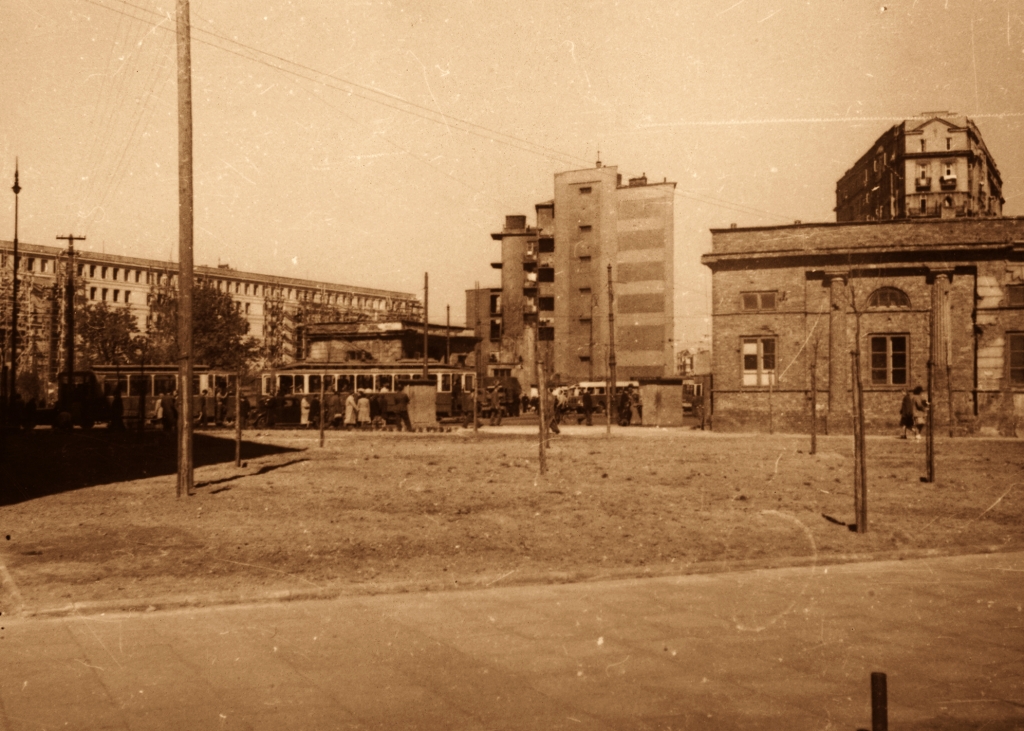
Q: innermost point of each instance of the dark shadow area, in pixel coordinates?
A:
(261, 471)
(49, 461)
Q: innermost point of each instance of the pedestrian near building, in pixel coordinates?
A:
(496, 405)
(588, 406)
(351, 411)
(906, 414)
(363, 417)
(168, 411)
(921, 406)
(222, 406)
(304, 408)
(402, 408)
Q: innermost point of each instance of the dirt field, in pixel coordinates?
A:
(93, 517)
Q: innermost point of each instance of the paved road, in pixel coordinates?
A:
(785, 649)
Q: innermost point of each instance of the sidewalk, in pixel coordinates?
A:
(786, 649)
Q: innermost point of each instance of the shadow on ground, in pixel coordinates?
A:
(47, 462)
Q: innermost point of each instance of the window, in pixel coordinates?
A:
(758, 361)
(495, 304)
(495, 329)
(127, 296)
(502, 372)
(1015, 295)
(889, 360)
(584, 291)
(949, 143)
(1015, 341)
(92, 270)
(81, 269)
(92, 293)
(103, 273)
(586, 228)
(584, 359)
(545, 274)
(116, 272)
(924, 146)
(754, 301)
(545, 333)
(104, 294)
(546, 246)
(585, 190)
(924, 204)
(889, 297)
(117, 295)
(31, 265)
(547, 304)
(585, 259)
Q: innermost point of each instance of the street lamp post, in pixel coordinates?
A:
(14, 300)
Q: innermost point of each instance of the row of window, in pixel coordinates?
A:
(880, 299)
(889, 360)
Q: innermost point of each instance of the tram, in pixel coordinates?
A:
(454, 383)
(146, 385)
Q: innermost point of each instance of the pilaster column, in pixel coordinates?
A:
(839, 406)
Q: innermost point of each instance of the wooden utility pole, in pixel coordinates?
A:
(323, 378)
(447, 334)
(476, 380)
(930, 437)
(814, 400)
(612, 374)
(69, 321)
(238, 419)
(426, 322)
(185, 223)
(860, 486)
(14, 306)
(542, 392)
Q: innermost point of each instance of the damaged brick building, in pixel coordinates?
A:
(790, 300)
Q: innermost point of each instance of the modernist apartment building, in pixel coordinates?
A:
(274, 306)
(791, 303)
(554, 282)
(933, 166)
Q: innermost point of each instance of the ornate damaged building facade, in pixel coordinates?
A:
(792, 301)
(553, 297)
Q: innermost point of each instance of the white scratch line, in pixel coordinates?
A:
(768, 16)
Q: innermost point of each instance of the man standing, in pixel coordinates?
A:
(402, 408)
(906, 414)
(920, 410)
(588, 406)
(496, 405)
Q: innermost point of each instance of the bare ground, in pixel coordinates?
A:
(91, 519)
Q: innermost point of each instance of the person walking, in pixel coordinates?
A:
(921, 406)
(496, 405)
(906, 414)
(351, 411)
(304, 407)
(363, 418)
(402, 408)
(588, 406)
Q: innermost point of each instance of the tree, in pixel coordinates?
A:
(219, 329)
(105, 333)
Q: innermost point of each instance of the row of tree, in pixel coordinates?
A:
(110, 335)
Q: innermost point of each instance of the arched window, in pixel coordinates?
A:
(889, 297)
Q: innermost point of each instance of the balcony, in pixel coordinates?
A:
(948, 182)
(923, 183)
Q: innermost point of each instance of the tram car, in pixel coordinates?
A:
(282, 390)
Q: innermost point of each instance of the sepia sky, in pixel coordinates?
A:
(369, 142)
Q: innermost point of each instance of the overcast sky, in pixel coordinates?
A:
(369, 142)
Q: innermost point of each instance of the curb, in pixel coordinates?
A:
(507, 580)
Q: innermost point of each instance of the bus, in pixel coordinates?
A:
(454, 383)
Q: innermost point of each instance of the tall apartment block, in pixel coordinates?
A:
(554, 294)
(934, 166)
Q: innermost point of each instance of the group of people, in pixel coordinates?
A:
(356, 409)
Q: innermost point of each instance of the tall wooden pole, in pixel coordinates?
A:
(612, 374)
(323, 377)
(69, 320)
(814, 401)
(185, 224)
(476, 359)
(238, 419)
(447, 334)
(426, 322)
(14, 305)
(542, 393)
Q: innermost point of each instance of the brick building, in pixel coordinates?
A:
(934, 166)
(791, 299)
(554, 282)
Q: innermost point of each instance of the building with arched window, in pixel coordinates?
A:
(791, 303)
